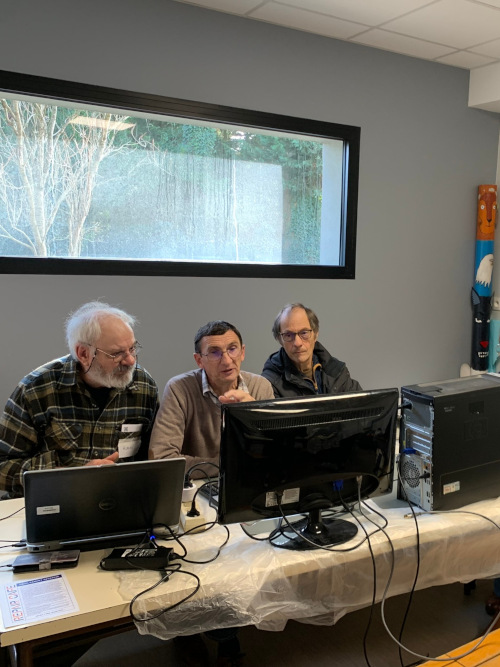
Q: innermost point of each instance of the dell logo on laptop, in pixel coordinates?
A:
(107, 504)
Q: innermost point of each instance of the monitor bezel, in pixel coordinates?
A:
(229, 512)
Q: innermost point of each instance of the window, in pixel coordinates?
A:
(103, 181)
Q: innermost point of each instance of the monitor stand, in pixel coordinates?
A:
(313, 533)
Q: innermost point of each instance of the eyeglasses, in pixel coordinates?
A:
(120, 356)
(289, 336)
(216, 354)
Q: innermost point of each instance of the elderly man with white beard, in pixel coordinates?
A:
(94, 406)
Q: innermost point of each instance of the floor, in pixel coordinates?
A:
(471, 655)
(440, 619)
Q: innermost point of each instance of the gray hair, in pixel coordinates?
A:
(84, 324)
(311, 316)
(214, 328)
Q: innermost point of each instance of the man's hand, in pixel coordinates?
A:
(236, 396)
(112, 458)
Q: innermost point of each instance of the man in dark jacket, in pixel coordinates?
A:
(302, 366)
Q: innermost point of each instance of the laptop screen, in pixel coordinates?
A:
(94, 507)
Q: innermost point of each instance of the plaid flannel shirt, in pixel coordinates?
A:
(51, 421)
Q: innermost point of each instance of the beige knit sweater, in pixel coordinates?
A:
(188, 423)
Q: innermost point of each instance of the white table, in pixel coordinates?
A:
(102, 610)
(255, 583)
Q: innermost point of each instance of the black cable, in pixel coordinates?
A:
(392, 552)
(326, 514)
(198, 466)
(313, 544)
(211, 524)
(167, 572)
(382, 528)
(417, 571)
(11, 543)
(211, 486)
(362, 503)
(9, 515)
(219, 549)
(384, 596)
(253, 537)
(374, 593)
(379, 528)
(174, 537)
(90, 365)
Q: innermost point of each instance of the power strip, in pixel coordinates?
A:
(188, 492)
(190, 523)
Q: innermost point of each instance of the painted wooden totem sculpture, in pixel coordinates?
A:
(482, 289)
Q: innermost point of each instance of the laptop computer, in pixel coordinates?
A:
(96, 507)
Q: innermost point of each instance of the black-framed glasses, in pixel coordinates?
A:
(120, 356)
(289, 336)
(216, 354)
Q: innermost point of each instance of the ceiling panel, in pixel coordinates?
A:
(491, 49)
(465, 59)
(490, 3)
(369, 12)
(460, 33)
(391, 41)
(301, 19)
(457, 23)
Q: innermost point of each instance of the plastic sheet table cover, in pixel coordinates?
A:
(255, 583)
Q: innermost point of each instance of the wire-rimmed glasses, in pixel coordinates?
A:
(122, 354)
(289, 336)
(216, 354)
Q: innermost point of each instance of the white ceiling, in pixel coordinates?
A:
(462, 33)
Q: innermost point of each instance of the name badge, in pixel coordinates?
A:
(129, 440)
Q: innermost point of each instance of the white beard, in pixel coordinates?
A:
(113, 379)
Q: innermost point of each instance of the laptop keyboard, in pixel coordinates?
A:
(211, 491)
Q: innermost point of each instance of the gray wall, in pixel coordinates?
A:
(406, 317)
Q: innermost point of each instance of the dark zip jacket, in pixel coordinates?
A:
(287, 380)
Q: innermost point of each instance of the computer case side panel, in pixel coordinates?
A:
(450, 443)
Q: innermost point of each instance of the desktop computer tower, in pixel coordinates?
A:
(450, 442)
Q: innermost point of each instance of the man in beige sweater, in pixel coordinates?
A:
(188, 421)
(188, 424)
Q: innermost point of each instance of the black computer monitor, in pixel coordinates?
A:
(315, 452)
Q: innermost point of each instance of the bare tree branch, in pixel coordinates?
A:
(49, 164)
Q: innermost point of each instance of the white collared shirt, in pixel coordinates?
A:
(207, 389)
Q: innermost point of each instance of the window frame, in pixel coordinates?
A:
(85, 94)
